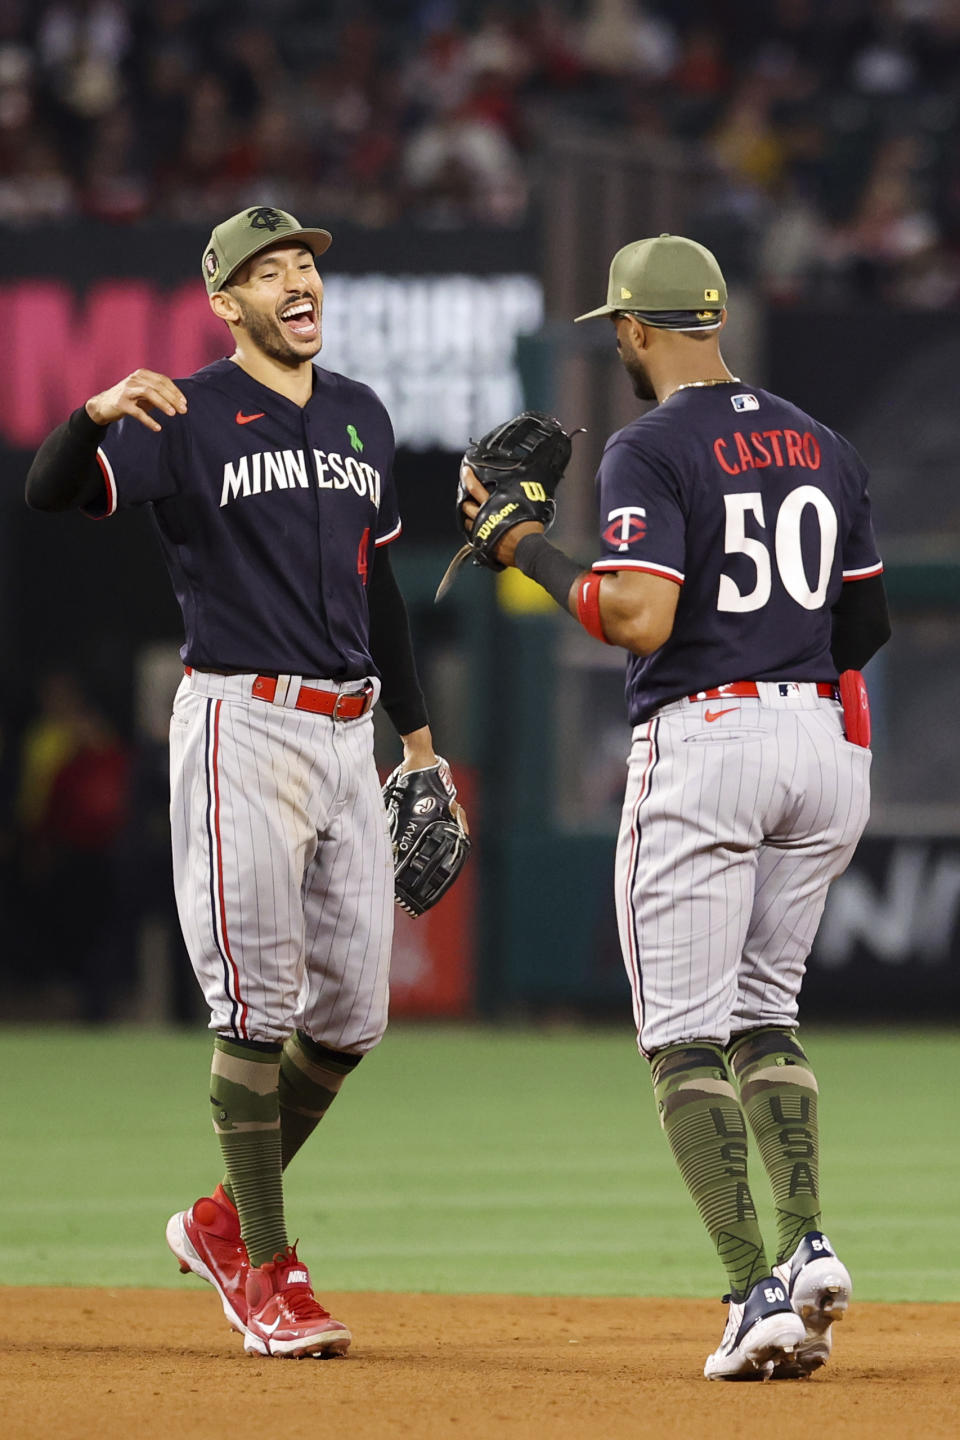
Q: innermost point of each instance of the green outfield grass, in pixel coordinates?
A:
(464, 1159)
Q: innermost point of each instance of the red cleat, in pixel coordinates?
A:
(284, 1316)
(206, 1240)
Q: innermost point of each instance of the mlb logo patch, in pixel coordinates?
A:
(744, 402)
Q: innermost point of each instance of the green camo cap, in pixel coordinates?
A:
(245, 234)
(667, 273)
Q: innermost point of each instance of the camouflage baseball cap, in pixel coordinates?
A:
(669, 277)
(245, 234)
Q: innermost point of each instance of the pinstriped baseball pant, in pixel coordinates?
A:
(732, 830)
(282, 865)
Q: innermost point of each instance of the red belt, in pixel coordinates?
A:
(750, 690)
(318, 702)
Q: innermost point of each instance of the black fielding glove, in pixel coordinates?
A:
(429, 833)
(521, 463)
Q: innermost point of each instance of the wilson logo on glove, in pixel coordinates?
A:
(520, 464)
(493, 522)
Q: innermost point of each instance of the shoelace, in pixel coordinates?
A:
(300, 1303)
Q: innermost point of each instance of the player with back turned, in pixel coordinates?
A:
(740, 572)
(270, 482)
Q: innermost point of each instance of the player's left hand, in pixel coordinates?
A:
(429, 831)
(419, 755)
(418, 751)
(506, 488)
(479, 492)
(507, 548)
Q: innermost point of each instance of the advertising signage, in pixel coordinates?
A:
(437, 344)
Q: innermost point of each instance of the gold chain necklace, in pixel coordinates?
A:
(701, 384)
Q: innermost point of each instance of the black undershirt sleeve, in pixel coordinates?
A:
(861, 623)
(392, 648)
(549, 567)
(64, 473)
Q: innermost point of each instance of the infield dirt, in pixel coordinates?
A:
(96, 1364)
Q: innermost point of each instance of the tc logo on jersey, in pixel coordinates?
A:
(744, 402)
(625, 525)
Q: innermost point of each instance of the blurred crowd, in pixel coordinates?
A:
(85, 858)
(830, 129)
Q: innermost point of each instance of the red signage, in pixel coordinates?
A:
(60, 349)
(434, 961)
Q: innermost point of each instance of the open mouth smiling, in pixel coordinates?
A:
(301, 318)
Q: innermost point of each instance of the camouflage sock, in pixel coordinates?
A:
(310, 1077)
(778, 1091)
(246, 1116)
(708, 1136)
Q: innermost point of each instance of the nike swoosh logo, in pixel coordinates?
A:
(242, 419)
(269, 1329)
(711, 715)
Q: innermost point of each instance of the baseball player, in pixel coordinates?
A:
(740, 572)
(270, 482)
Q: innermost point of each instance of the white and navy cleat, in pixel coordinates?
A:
(762, 1331)
(819, 1289)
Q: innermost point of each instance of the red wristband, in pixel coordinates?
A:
(588, 606)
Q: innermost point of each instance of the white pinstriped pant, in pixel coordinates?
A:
(282, 864)
(731, 832)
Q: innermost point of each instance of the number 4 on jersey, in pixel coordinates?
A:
(787, 547)
(363, 550)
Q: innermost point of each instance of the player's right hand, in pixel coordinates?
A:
(137, 395)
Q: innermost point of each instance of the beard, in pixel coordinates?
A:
(639, 378)
(267, 333)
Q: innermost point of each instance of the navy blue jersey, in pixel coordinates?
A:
(758, 512)
(267, 515)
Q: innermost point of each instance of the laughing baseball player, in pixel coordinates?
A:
(270, 482)
(740, 572)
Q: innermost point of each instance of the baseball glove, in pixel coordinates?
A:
(521, 463)
(429, 834)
